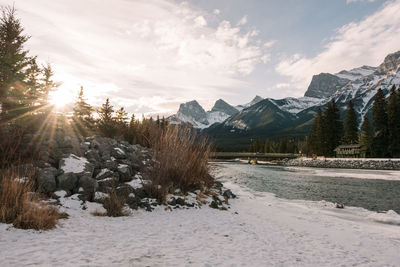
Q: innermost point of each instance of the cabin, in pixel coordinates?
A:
(351, 151)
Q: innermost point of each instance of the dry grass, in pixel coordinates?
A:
(114, 205)
(181, 162)
(23, 208)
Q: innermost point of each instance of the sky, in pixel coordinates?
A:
(151, 55)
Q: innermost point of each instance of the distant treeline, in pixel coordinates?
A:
(380, 138)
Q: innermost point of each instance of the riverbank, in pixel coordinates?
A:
(259, 229)
(345, 163)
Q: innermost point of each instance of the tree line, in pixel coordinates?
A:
(380, 137)
(114, 123)
(295, 145)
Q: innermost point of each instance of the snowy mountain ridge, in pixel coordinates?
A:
(358, 85)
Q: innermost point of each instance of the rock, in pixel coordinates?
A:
(172, 201)
(339, 206)
(124, 191)
(111, 165)
(228, 193)
(67, 181)
(106, 184)
(214, 205)
(78, 165)
(125, 174)
(118, 153)
(88, 184)
(104, 173)
(46, 180)
(140, 193)
(180, 201)
(66, 142)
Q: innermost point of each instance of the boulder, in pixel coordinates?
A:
(67, 181)
(106, 184)
(88, 184)
(46, 179)
(104, 173)
(118, 153)
(125, 174)
(124, 191)
(78, 165)
(228, 193)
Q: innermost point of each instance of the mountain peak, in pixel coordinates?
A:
(222, 106)
(324, 85)
(391, 63)
(192, 109)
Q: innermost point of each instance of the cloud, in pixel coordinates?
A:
(353, 1)
(242, 21)
(358, 43)
(132, 51)
(216, 12)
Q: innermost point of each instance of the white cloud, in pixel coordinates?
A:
(358, 43)
(200, 21)
(242, 21)
(132, 50)
(353, 1)
(217, 11)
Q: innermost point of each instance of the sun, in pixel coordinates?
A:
(60, 98)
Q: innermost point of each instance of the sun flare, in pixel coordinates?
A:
(60, 98)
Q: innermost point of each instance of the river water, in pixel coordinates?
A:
(371, 189)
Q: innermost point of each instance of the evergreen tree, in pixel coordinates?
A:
(282, 146)
(48, 84)
(121, 116)
(106, 122)
(393, 113)
(366, 134)
(82, 114)
(380, 141)
(315, 139)
(267, 146)
(350, 126)
(332, 129)
(14, 61)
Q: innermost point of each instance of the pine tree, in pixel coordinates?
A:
(14, 61)
(121, 116)
(315, 139)
(393, 112)
(82, 114)
(332, 129)
(366, 134)
(350, 125)
(282, 146)
(47, 83)
(267, 146)
(380, 141)
(106, 122)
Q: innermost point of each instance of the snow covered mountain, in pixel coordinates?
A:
(194, 114)
(293, 116)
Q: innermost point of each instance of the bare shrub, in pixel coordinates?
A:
(181, 162)
(22, 207)
(114, 204)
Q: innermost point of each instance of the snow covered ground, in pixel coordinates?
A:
(258, 230)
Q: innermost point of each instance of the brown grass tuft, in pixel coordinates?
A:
(23, 208)
(181, 162)
(114, 205)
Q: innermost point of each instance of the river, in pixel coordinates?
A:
(371, 189)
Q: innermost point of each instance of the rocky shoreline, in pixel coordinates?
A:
(90, 168)
(365, 163)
